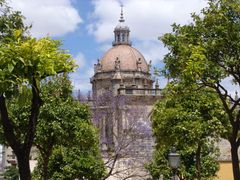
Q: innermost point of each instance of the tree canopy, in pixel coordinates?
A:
(66, 138)
(191, 121)
(206, 52)
(24, 62)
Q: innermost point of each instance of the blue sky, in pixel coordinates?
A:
(86, 27)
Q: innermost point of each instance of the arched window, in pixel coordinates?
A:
(118, 38)
(123, 37)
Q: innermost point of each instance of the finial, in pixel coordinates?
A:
(149, 65)
(236, 95)
(121, 17)
(156, 85)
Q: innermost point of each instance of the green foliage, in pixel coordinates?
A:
(183, 105)
(159, 165)
(23, 57)
(191, 121)
(11, 173)
(187, 170)
(76, 162)
(24, 63)
(206, 52)
(67, 140)
(10, 21)
(60, 114)
(22, 60)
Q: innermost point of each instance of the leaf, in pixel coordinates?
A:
(10, 67)
(17, 33)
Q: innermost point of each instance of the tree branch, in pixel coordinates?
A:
(8, 126)
(32, 122)
(112, 167)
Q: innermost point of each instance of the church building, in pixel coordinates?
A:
(123, 96)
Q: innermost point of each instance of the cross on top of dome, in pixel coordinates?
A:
(121, 17)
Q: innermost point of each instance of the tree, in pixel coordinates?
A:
(65, 130)
(49, 133)
(81, 160)
(206, 52)
(191, 121)
(25, 61)
(78, 159)
(10, 21)
(124, 130)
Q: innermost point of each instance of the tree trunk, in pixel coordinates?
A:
(235, 161)
(198, 162)
(46, 152)
(45, 168)
(21, 149)
(23, 165)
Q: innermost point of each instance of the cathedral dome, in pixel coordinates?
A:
(124, 58)
(122, 69)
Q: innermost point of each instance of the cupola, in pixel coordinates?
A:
(121, 32)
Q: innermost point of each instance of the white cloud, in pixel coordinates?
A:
(48, 17)
(152, 50)
(230, 86)
(104, 47)
(80, 60)
(147, 19)
(81, 77)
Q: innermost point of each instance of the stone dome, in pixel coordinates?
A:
(125, 57)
